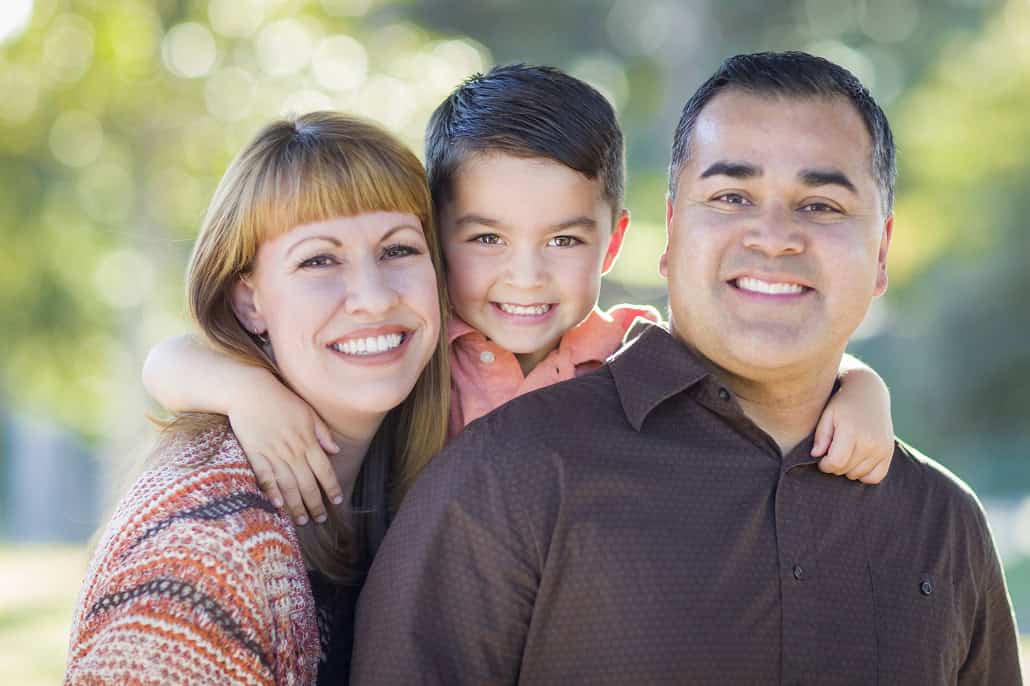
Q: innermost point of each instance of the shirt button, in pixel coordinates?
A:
(724, 394)
(926, 588)
(798, 572)
(486, 357)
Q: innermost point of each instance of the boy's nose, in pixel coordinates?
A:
(526, 270)
(369, 292)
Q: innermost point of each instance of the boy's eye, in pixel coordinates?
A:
(393, 252)
(319, 261)
(563, 242)
(487, 239)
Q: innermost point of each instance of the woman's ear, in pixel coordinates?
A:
(247, 306)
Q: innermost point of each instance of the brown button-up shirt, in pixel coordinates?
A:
(632, 526)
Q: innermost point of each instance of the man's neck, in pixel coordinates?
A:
(787, 406)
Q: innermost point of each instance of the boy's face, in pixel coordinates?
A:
(526, 241)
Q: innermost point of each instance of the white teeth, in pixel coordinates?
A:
(373, 345)
(747, 283)
(525, 310)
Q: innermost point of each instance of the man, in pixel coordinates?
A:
(662, 520)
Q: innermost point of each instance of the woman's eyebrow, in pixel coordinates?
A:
(329, 239)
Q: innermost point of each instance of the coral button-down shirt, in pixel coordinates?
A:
(484, 375)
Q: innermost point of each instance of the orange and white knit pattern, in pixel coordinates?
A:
(198, 579)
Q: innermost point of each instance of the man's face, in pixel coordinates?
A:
(526, 241)
(777, 235)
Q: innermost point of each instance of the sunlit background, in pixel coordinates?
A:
(117, 118)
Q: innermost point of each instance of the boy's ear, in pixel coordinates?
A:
(247, 307)
(663, 262)
(615, 242)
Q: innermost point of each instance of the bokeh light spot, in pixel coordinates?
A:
(76, 138)
(14, 18)
(340, 63)
(283, 47)
(188, 50)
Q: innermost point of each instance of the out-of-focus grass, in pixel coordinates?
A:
(38, 586)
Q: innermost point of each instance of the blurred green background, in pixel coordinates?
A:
(117, 118)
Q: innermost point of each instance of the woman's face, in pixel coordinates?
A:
(350, 307)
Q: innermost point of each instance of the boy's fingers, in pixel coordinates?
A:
(840, 454)
(325, 438)
(323, 470)
(878, 474)
(291, 493)
(823, 435)
(310, 492)
(862, 469)
(266, 479)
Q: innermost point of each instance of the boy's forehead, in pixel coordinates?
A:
(515, 188)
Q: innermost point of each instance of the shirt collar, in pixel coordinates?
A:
(652, 369)
(458, 327)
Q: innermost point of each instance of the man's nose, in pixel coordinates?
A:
(369, 291)
(775, 233)
(526, 269)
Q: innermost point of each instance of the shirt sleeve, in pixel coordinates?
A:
(450, 596)
(184, 606)
(993, 656)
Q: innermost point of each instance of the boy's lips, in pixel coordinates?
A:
(529, 314)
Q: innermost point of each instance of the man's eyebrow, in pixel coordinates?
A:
(736, 170)
(328, 239)
(826, 177)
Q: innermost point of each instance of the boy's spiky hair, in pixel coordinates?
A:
(526, 111)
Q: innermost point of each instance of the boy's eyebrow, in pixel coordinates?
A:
(473, 218)
(735, 170)
(826, 177)
(582, 221)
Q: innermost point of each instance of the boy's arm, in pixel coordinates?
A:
(451, 593)
(283, 438)
(855, 432)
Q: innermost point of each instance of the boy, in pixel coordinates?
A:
(526, 169)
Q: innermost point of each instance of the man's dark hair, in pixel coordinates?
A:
(795, 75)
(526, 111)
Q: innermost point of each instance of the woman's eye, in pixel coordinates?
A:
(319, 261)
(393, 252)
(563, 242)
(487, 239)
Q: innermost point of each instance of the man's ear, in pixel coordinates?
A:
(663, 262)
(885, 244)
(247, 306)
(615, 242)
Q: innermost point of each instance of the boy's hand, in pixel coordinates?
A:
(855, 432)
(286, 443)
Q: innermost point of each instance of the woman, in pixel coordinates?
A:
(317, 261)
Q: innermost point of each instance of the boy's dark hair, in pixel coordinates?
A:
(526, 111)
(791, 74)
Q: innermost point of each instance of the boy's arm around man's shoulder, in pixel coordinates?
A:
(451, 593)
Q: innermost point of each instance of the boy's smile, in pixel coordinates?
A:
(526, 241)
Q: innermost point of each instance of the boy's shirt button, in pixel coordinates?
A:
(486, 357)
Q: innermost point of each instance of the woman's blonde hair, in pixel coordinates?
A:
(296, 171)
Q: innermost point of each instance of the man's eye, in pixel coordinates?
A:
(319, 261)
(393, 252)
(487, 239)
(563, 242)
(732, 199)
(819, 208)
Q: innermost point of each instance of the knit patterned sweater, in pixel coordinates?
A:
(197, 579)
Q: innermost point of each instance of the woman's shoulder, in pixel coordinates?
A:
(194, 543)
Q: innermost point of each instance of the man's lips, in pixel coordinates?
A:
(774, 286)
